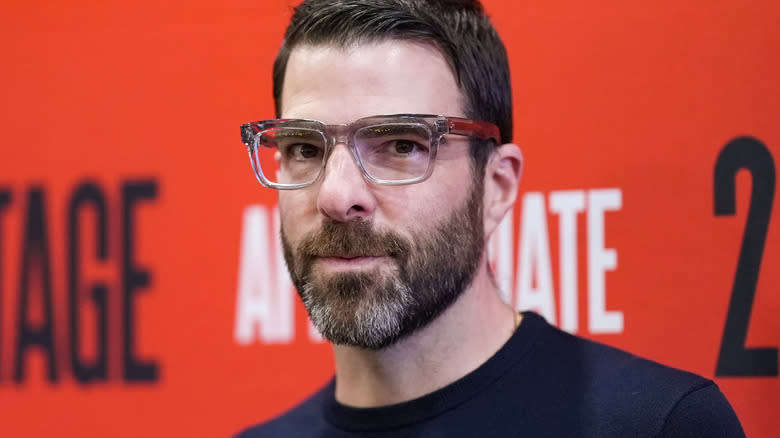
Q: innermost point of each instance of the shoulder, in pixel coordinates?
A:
(703, 412)
(601, 367)
(303, 420)
(616, 391)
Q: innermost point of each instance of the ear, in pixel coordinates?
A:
(502, 177)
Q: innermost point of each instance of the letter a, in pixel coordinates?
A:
(264, 298)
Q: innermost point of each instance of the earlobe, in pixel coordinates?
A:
(502, 178)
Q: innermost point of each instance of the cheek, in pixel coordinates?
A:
(451, 183)
(410, 209)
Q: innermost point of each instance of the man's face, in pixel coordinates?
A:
(374, 263)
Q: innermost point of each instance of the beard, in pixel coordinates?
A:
(375, 308)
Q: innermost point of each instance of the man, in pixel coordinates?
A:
(394, 167)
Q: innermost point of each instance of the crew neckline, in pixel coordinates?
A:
(430, 405)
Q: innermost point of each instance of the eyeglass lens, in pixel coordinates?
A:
(388, 151)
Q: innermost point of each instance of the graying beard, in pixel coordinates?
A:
(375, 324)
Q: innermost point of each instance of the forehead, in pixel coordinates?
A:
(341, 84)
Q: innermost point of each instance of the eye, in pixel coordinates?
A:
(303, 151)
(405, 147)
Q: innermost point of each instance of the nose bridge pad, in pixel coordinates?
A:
(340, 136)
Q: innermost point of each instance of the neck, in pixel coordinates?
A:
(462, 338)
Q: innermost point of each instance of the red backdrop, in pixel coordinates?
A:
(139, 292)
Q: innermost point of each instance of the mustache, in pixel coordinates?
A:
(352, 239)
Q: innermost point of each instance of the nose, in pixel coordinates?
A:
(344, 194)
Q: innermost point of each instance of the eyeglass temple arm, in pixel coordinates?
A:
(248, 130)
(475, 128)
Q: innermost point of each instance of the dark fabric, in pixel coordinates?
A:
(542, 383)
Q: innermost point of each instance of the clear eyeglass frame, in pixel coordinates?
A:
(437, 126)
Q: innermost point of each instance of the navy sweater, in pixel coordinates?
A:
(542, 383)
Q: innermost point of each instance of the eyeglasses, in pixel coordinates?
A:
(395, 149)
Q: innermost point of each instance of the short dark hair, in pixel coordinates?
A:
(459, 29)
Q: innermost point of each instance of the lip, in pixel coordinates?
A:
(346, 263)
